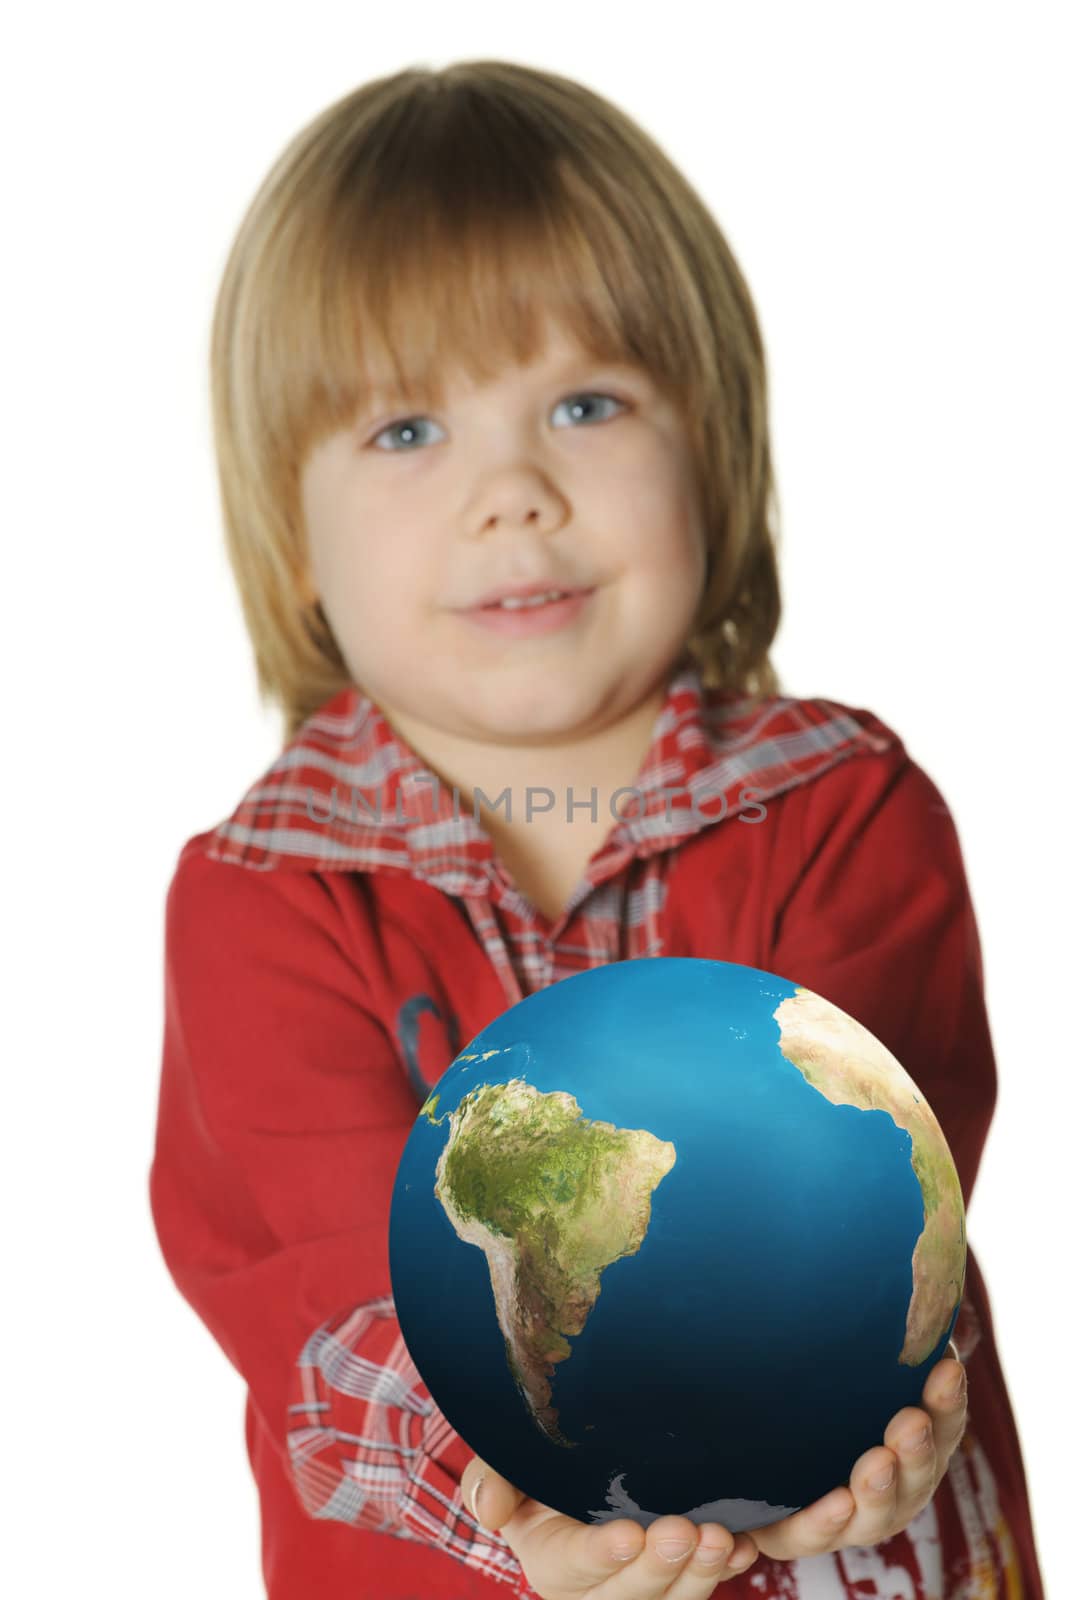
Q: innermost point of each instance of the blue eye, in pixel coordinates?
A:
(406, 426)
(582, 399)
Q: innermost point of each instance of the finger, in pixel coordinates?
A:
(811, 1531)
(744, 1555)
(663, 1551)
(740, 1553)
(489, 1498)
(892, 1483)
(874, 1485)
(911, 1437)
(889, 1484)
(717, 1557)
(679, 1560)
(620, 1554)
(946, 1398)
(552, 1548)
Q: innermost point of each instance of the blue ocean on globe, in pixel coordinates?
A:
(675, 1236)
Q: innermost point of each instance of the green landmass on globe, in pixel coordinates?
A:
(554, 1198)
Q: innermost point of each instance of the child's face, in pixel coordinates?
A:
(510, 482)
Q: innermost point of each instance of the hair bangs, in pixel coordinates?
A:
(407, 282)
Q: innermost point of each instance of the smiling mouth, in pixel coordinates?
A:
(550, 597)
(531, 616)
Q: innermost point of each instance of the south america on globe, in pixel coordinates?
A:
(675, 1236)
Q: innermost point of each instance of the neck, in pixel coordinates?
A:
(595, 765)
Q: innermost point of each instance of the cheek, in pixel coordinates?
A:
(382, 593)
(675, 559)
(377, 570)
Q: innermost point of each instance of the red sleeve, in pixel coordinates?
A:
(876, 917)
(282, 1116)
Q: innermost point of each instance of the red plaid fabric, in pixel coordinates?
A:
(314, 998)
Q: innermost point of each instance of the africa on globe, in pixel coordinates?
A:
(675, 1236)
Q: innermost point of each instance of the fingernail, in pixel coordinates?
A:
(625, 1552)
(478, 1486)
(707, 1554)
(674, 1549)
(883, 1482)
(956, 1394)
(918, 1441)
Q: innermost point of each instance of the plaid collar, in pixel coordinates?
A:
(348, 793)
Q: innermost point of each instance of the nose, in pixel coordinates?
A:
(519, 499)
(533, 515)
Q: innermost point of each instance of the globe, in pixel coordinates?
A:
(675, 1236)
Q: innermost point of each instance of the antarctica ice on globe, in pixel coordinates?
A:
(675, 1236)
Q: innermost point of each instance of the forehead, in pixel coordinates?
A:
(560, 359)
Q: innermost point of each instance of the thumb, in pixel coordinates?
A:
(491, 1499)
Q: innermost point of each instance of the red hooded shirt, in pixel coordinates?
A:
(335, 943)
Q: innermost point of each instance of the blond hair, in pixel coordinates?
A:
(425, 223)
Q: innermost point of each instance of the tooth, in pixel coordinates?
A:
(513, 603)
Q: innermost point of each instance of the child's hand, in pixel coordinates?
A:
(868, 1514)
(564, 1559)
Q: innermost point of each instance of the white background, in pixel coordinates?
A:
(888, 177)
